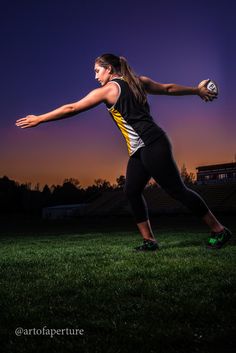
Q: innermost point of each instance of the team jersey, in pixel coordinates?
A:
(133, 118)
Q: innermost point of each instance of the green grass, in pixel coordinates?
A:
(180, 299)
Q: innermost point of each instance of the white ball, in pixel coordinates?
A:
(210, 85)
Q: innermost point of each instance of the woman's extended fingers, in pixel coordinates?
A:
(211, 96)
(22, 122)
(28, 121)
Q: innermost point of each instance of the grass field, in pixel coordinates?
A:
(180, 299)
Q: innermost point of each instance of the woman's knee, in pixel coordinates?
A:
(178, 193)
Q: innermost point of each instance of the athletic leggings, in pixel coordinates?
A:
(156, 160)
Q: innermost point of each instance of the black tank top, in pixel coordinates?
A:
(133, 118)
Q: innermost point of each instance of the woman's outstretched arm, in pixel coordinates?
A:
(94, 98)
(153, 87)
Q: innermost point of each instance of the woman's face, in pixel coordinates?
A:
(102, 74)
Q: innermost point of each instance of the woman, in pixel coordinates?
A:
(124, 94)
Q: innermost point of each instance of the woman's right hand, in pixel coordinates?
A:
(204, 93)
(28, 121)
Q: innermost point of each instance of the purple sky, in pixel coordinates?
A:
(47, 56)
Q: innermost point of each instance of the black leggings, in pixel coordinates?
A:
(156, 160)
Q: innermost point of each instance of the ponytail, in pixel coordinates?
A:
(120, 66)
(133, 81)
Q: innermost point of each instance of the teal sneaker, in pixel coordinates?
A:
(218, 239)
(148, 245)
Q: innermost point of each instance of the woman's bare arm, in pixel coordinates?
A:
(95, 97)
(153, 87)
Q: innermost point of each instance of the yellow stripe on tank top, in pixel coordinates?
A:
(121, 124)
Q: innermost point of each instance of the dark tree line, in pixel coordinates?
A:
(16, 197)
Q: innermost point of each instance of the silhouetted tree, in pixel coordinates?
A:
(120, 181)
(46, 196)
(55, 192)
(102, 184)
(37, 187)
(73, 181)
(24, 192)
(68, 192)
(9, 196)
(91, 193)
(188, 178)
(46, 191)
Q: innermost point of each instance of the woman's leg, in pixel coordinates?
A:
(146, 230)
(159, 162)
(136, 179)
(213, 222)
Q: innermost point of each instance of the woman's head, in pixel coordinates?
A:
(109, 61)
(105, 66)
(108, 65)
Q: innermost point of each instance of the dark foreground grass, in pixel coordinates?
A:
(180, 299)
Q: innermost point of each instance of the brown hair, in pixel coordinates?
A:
(120, 66)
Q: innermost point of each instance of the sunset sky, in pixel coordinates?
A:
(48, 49)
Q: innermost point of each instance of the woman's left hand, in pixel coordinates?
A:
(204, 93)
(28, 121)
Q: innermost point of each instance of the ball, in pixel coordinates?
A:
(210, 85)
